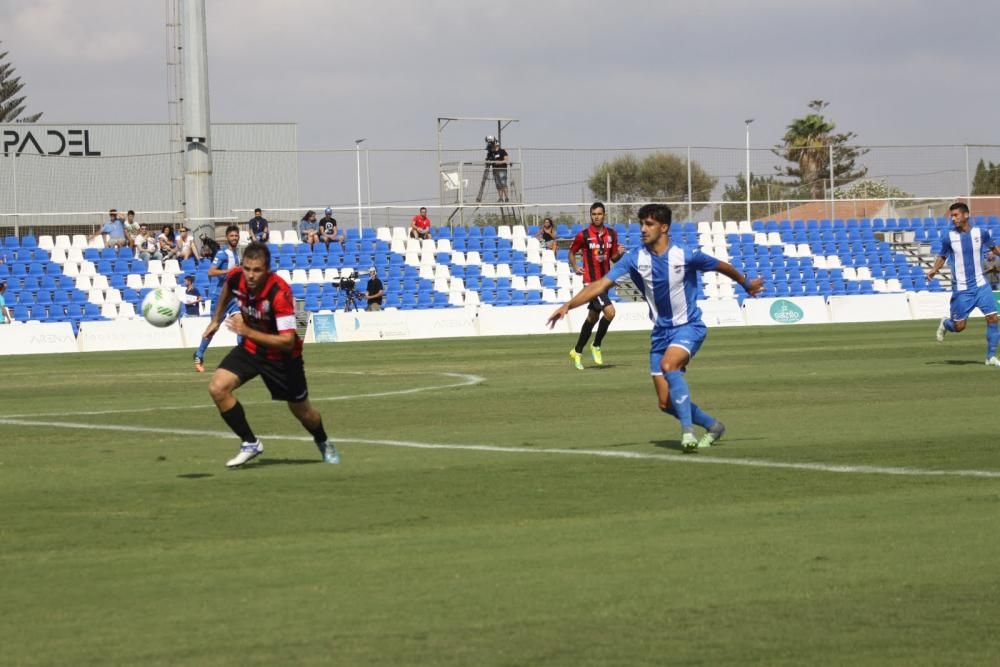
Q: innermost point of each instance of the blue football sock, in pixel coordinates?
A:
(992, 338)
(202, 347)
(680, 397)
(698, 416)
(949, 325)
(702, 418)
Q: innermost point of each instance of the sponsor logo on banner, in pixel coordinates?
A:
(786, 312)
(76, 143)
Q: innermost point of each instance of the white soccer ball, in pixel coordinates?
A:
(161, 307)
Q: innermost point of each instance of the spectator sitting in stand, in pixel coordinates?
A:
(168, 246)
(186, 247)
(547, 235)
(309, 229)
(146, 247)
(328, 231)
(257, 227)
(113, 231)
(420, 226)
(131, 228)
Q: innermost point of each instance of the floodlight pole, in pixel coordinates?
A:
(747, 181)
(357, 155)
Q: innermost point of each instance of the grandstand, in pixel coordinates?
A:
(68, 279)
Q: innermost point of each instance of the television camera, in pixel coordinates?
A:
(352, 296)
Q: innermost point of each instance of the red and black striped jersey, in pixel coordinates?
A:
(271, 310)
(598, 245)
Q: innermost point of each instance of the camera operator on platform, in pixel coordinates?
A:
(496, 157)
(375, 291)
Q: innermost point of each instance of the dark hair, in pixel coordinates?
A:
(256, 210)
(548, 220)
(659, 212)
(309, 213)
(130, 212)
(232, 228)
(258, 250)
(959, 206)
(596, 205)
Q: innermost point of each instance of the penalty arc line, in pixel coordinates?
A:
(601, 453)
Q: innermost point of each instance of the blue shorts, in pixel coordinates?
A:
(688, 337)
(964, 302)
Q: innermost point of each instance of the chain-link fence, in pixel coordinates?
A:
(383, 187)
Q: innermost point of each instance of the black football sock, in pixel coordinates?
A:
(588, 326)
(602, 328)
(318, 434)
(236, 418)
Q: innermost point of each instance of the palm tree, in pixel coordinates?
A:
(807, 144)
(10, 104)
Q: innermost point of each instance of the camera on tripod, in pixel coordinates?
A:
(348, 285)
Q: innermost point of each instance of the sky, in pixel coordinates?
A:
(581, 74)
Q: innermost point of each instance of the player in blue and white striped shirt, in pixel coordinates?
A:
(666, 274)
(963, 249)
(226, 258)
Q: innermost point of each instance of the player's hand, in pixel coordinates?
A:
(755, 286)
(931, 274)
(237, 324)
(559, 313)
(210, 330)
(578, 270)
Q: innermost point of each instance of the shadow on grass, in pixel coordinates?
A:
(955, 362)
(281, 462)
(195, 475)
(669, 444)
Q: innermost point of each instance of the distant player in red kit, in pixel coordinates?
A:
(599, 247)
(269, 346)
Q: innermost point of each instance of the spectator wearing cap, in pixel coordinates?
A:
(4, 310)
(113, 231)
(192, 297)
(257, 227)
(375, 291)
(420, 226)
(328, 231)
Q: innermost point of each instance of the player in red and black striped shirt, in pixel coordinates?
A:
(268, 346)
(598, 245)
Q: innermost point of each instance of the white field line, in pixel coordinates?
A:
(602, 453)
(465, 380)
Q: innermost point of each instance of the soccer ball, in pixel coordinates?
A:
(161, 307)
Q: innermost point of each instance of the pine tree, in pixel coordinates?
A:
(10, 103)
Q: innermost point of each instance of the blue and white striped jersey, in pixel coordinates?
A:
(964, 253)
(668, 282)
(226, 258)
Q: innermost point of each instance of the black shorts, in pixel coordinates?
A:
(599, 303)
(286, 380)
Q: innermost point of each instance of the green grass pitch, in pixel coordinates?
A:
(849, 516)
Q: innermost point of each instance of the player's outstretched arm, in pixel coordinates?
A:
(585, 295)
(753, 287)
(938, 263)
